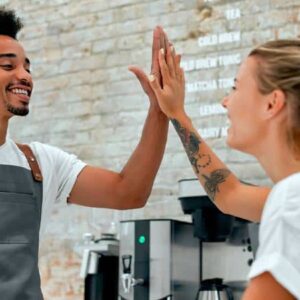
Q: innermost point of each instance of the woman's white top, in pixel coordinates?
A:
(279, 236)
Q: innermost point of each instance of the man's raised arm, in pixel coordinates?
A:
(131, 187)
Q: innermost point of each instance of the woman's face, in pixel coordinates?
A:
(245, 105)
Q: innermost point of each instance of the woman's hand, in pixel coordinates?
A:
(170, 96)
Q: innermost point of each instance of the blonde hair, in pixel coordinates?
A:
(279, 68)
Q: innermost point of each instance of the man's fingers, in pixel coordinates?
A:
(165, 44)
(158, 40)
(143, 79)
(140, 74)
(155, 49)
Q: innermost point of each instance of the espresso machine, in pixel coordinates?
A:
(227, 244)
(100, 267)
(159, 260)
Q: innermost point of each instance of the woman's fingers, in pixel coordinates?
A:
(170, 66)
(170, 60)
(164, 69)
(155, 85)
(173, 51)
(165, 42)
(182, 76)
(177, 60)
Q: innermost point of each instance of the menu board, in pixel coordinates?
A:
(210, 73)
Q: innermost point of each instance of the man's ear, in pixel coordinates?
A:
(275, 103)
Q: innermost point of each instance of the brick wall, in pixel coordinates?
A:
(86, 102)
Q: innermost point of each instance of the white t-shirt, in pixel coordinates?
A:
(279, 236)
(59, 170)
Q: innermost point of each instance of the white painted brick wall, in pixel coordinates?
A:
(88, 103)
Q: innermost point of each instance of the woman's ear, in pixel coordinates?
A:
(276, 101)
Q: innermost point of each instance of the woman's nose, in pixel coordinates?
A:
(225, 102)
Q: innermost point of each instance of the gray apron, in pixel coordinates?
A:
(20, 216)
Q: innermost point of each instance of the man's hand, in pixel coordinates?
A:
(159, 42)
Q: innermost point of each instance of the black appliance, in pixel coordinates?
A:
(226, 242)
(100, 268)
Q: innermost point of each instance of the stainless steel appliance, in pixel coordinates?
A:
(159, 260)
(214, 289)
(100, 268)
(227, 244)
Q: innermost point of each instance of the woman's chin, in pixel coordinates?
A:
(229, 138)
(230, 142)
(239, 146)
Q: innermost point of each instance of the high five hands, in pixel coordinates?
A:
(170, 95)
(165, 86)
(160, 41)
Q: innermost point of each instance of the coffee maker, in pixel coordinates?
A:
(159, 260)
(227, 244)
(100, 267)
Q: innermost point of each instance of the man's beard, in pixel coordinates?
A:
(17, 111)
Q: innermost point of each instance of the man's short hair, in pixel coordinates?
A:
(10, 24)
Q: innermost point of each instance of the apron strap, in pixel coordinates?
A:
(34, 166)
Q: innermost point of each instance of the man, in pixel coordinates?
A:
(33, 178)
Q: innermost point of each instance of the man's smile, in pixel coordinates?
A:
(21, 91)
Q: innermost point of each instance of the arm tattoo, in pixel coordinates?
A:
(191, 144)
(213, 181)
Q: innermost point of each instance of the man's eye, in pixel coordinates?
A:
(233, 88)
(8, 67)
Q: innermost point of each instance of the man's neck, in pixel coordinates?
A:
(3, 130)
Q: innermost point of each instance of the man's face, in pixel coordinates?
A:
(15, 78)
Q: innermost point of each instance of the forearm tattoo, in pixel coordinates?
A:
(191, 144)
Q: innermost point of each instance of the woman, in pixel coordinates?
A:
(264, 111)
